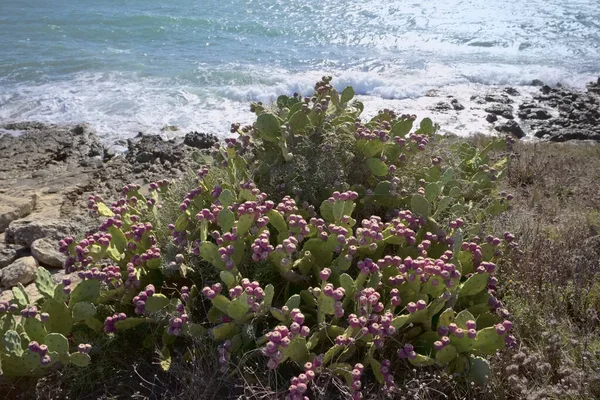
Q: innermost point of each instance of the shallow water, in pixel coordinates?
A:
(138, 65)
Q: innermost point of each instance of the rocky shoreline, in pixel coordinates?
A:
(557, 114)
(46, 174)
(48, 171)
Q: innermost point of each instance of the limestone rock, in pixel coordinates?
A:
(13, 207)
(21, 271)
(26, 231)
(45, 251)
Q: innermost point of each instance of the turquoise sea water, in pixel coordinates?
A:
(133, 65)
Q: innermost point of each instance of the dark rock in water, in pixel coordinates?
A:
(432, 93)
(456, 105)
(526, 105)
(498, 109)
(537, 82)
(534, 113)
(508, 115)
(150, 148)
(491, 118)
(511, 127)
(498, 98)
(200, 140)
(512, 91)
(441, 107)
(478, 99)
(546, 89)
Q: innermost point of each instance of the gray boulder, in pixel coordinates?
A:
(21, 271)
(45, 252)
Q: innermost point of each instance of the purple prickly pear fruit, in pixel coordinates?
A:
(34, 347)
(471, 324)
(45, 360)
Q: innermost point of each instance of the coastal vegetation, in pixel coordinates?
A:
(319, 254)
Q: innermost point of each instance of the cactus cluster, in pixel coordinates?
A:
(376, 273)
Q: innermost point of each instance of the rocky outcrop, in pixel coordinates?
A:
(48, 171)
(15, 206)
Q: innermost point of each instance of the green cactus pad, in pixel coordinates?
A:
(297, 350)
(326, 210)
(31, 360)
(104, 211)
(376, 368)
(462, 318)
(269, 293)
(448, 175)
(239, 307)
(276, 219)
(226, 198)
(228, 278)
(401, 128)
(12, 343)
(420, 205)
(35, 329)
(60, 319)
(338, 210)
(83, 311)
(399, 321)
(181, 223)
(299, 121)
(326, 304)
(332, 353)
(318, 249)
(196, 331)
(479, 370)
(347, 94)
(129, 323)
(348, 284)
(447, 317)
(268, 127)
(156, 303)
(446, 355)
(226, 219)
(244, 223)
(57, 343)
(221, 303)
(210, 252)
(87, 290)
(422, 361)
(376, 166)
(293, 302)
(94, 324)
(7, 323)
(475, 284)
(20, 295)
(44, 283)
(277, 314)
(118, 238)
(80, 359)
(371, 148)
(432, 191)
(224, 331)
(488, 341)
(427, 126)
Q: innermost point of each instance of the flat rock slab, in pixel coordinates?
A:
(20, 271)
(14, 206)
